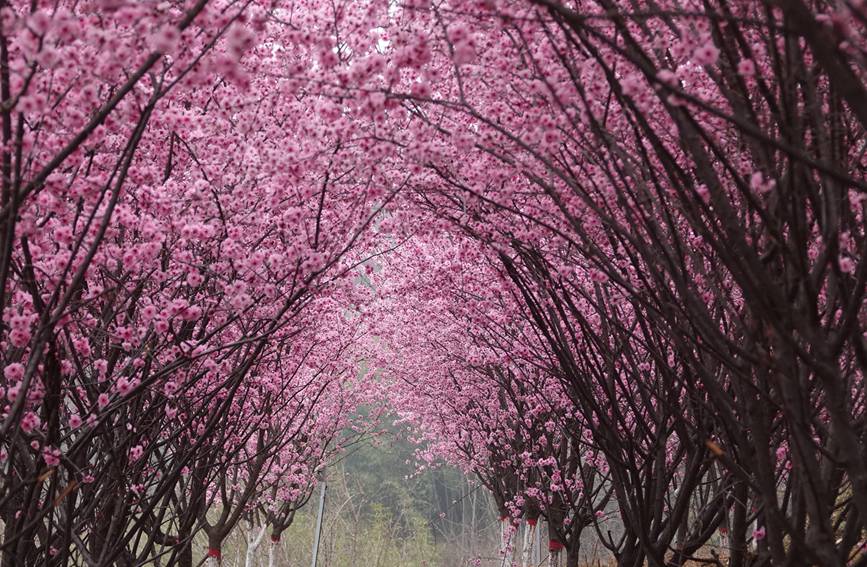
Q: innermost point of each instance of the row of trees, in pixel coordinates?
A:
(647, 224)
(628, 276)
(179, 223)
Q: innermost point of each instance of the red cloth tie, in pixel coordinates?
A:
(554, 545)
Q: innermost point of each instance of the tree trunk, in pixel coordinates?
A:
(185, 555)
(631, 556)
(215, 551)
(737, 535)
(7, 559)
(253, 545)
(573, 553)
(529, 535)
(506, 547)
(272, 552)
(471, 540)
(275, 545)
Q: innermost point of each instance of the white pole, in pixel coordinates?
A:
(318, 533)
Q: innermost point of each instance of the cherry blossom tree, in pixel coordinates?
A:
(179, 199)
(660, 182)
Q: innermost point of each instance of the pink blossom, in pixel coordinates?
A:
(39, 22)
(148, 313)
(782, 453)
(51, 455)
(194, 279)
(458, 32)
(30, 422)
(14, 371)
(421, 89)
(240, 40)
(847, 265)
(327, 57)
(169, 388)
(464, 52)
(759, 184)
(124, 386)
(706, 54)
(19, 337)
(746, 68)
(166, 39)
(101, 366)
(191, 313)
(667, 77)
(598, 276)
(631, 85)
(135, 453)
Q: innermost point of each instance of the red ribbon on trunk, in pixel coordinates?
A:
(215, 553)
(554, 545)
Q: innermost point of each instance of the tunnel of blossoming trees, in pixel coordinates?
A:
(602, 256)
